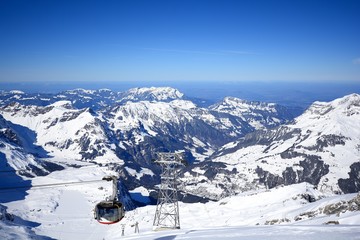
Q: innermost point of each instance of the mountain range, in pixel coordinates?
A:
(320, 147)
(231, 146)
(240, 155)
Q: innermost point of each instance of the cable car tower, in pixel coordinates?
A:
(167, 209)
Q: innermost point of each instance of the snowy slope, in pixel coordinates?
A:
(66, 213)
(257, 232)
(179, 119)
(274, 214)
(62, 130)
(19, 154)
(321, 147)
(259, 115)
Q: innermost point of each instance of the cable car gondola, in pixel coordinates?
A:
(110, 211)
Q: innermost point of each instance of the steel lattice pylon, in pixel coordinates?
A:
(167, 209)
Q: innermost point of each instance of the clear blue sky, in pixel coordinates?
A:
(69, 40)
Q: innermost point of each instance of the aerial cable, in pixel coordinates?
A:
(49, 185)
(27, 170)
(75, 165)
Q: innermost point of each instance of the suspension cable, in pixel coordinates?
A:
(49, 185)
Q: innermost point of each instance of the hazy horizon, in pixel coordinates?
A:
(296, 94)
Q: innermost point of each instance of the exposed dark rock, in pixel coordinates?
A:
(326, 141)
(10, 136)
(277, 221)
(51, 167)
(312, 171)
(191, 198)
(332, 222)
(308, 197)
(333, 209)
(351, 184)
(261, 137)
(268, 179)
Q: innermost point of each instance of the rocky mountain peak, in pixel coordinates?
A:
(152, 94)
(340, 116)
(345, 104)
(62, 104)
(259, 115)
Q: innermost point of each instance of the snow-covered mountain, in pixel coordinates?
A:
(320, 147)
(63, 131)
(93, 99)
(153, 120)
(262, 167)
(19, 154)
(163, 94)
(231, 146)
(79, 98)
(128, 128)
(176, 125)
(259, 115)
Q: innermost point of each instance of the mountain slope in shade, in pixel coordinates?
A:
(63, 131)
(19, 154)
(321, 147)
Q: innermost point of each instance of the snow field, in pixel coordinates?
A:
(67, 213)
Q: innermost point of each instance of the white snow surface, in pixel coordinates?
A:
(143, 171)
(66, 212)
